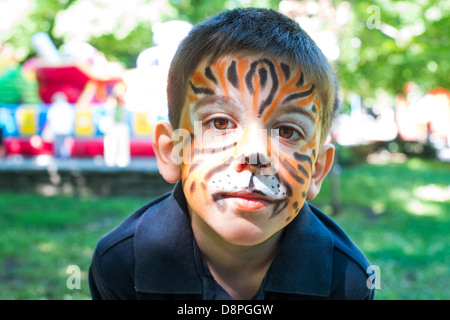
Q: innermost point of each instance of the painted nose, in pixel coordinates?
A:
(253, 151)
(253, 160)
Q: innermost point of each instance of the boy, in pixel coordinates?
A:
(251, 100)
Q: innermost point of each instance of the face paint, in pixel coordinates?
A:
(240, 179)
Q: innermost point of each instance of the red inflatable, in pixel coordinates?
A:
(72, 81)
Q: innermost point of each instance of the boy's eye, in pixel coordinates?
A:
(286, 132)
(221, 123)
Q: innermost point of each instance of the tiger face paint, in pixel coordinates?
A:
(260, 124)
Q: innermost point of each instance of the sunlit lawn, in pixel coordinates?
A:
(41, 236)
(398, 214)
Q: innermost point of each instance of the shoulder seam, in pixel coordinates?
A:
(351, 257)
(105, 250)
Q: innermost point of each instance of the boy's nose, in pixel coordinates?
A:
(252, 152)
(254, 160)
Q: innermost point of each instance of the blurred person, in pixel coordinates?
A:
(60, 125)
(116, 141)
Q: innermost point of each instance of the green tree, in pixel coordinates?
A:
(40, 18)
(126, 34)
(409, 42)
(195, 11)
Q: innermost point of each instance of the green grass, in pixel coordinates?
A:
(41, 236)
(398, 214)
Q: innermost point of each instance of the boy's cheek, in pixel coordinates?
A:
(296, 203)
(193, 185)
(295, 172)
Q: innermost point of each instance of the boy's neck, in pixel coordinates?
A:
(238, 269)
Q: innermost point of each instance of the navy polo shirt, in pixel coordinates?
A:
(153, 255)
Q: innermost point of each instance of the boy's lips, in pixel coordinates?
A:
(246, 200)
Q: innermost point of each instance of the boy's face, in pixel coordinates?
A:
(255, 125)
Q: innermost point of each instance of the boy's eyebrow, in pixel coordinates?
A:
(289, 108)
(213, 99)
(226, 101)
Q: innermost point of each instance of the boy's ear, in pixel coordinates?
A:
(322, 167)
(162, 146)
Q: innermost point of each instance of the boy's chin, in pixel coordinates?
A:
(244, 236)
(243, 232)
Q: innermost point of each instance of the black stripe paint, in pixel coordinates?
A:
(303, 170)
(303, 158)
(273, 90)
(217, 169)
(200, 90)
(210, 75)
(299, 95)
(286, 70)
(232, 75)
(301, 81)
(292, 172)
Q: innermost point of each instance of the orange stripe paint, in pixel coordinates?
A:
(220, 66)
(257, 83)
(284, 91)
(199, 79)
(242, 66)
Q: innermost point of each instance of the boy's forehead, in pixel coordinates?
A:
(248, 57)
(265, 83)
(255, 72)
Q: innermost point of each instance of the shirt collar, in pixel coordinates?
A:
(304, 263)
(166, 263)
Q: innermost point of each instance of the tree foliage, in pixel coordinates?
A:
(410, 42)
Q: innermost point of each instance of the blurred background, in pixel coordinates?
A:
(82, 83)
